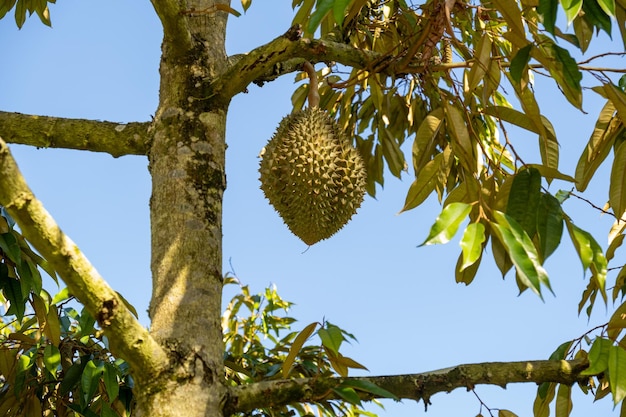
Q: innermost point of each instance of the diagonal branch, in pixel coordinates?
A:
(414, 386)
(128, 338)
(116, 139)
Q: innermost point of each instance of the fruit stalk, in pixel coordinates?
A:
(314, 95)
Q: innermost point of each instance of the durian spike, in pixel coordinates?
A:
(314, 95)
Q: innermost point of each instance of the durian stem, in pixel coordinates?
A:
(314, 95)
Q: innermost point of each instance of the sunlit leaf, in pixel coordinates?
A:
(506, 413)
(598, 356)
(347, 394)
(424, 137)
(111, 382)
(545, 395)
(596, 16)
(331, 337)
(472, 244)
(522, 252)
(572, 8)
(447, 223)
(296, 346)
(590, 254)
(462, 144)
(563, 406)
(482, 61)
(617, 373)
(51, 359)
(512, 14)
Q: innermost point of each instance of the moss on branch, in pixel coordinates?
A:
(116, 139)
(413, 386)
(128, 338)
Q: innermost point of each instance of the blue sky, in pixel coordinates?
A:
(100, 61)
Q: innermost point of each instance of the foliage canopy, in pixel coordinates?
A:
(452, 78)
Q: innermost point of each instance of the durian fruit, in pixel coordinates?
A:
(312, 175)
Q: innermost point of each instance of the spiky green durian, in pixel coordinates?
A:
(312, 175)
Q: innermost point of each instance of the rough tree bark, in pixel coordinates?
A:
(178, 364)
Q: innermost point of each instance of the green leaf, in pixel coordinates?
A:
(524, 198)
(467, 275)
(348, 394)
(447, 223)
(424, 138)
(519, 62)
(90, 379)
(617, 189)
(563, 406)
(12, 291)
(51, 359)
(598, 357)
(472, 244)
(331, 337)
(590, 254)
(424, 184)
(522, 253)
(549, 225)
(545, 395)
(598, 18)
(617, 373)
(72, 376)
(506, 413)
(606, 130)
(548, 11)
(461, 142)
(482, 61)
(369, 387)
(583, 29)
(608, 6)
(111, 383)
(339, 10)
(572, 8)
(321, 10)
(512, 15)
(563, 69)
(391, 151)
(10, 247)
(296, 347)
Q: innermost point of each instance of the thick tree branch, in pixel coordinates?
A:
(128, 339)
(415, 386)
(116, 139)
(284, 54)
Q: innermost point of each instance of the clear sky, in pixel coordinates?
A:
(100, 61)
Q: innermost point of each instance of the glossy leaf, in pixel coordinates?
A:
(617, 373)
(89, 380)
(447, 223)
(549, 225)
(369, 387)
(522, 252)
(111, 383)
(524, 198)
(512, 14)
(548, 10)
(51, 359)
(472, 244)
(598, 357)
(467, 275)
(572, 8)
(331, 337)
(322, 9)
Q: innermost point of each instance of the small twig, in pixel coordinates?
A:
(593, 205)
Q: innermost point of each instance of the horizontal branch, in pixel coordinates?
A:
(414, 386)
(116, 139)
(288, 51)
(128, 338)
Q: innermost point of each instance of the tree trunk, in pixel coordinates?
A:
(187, 159)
